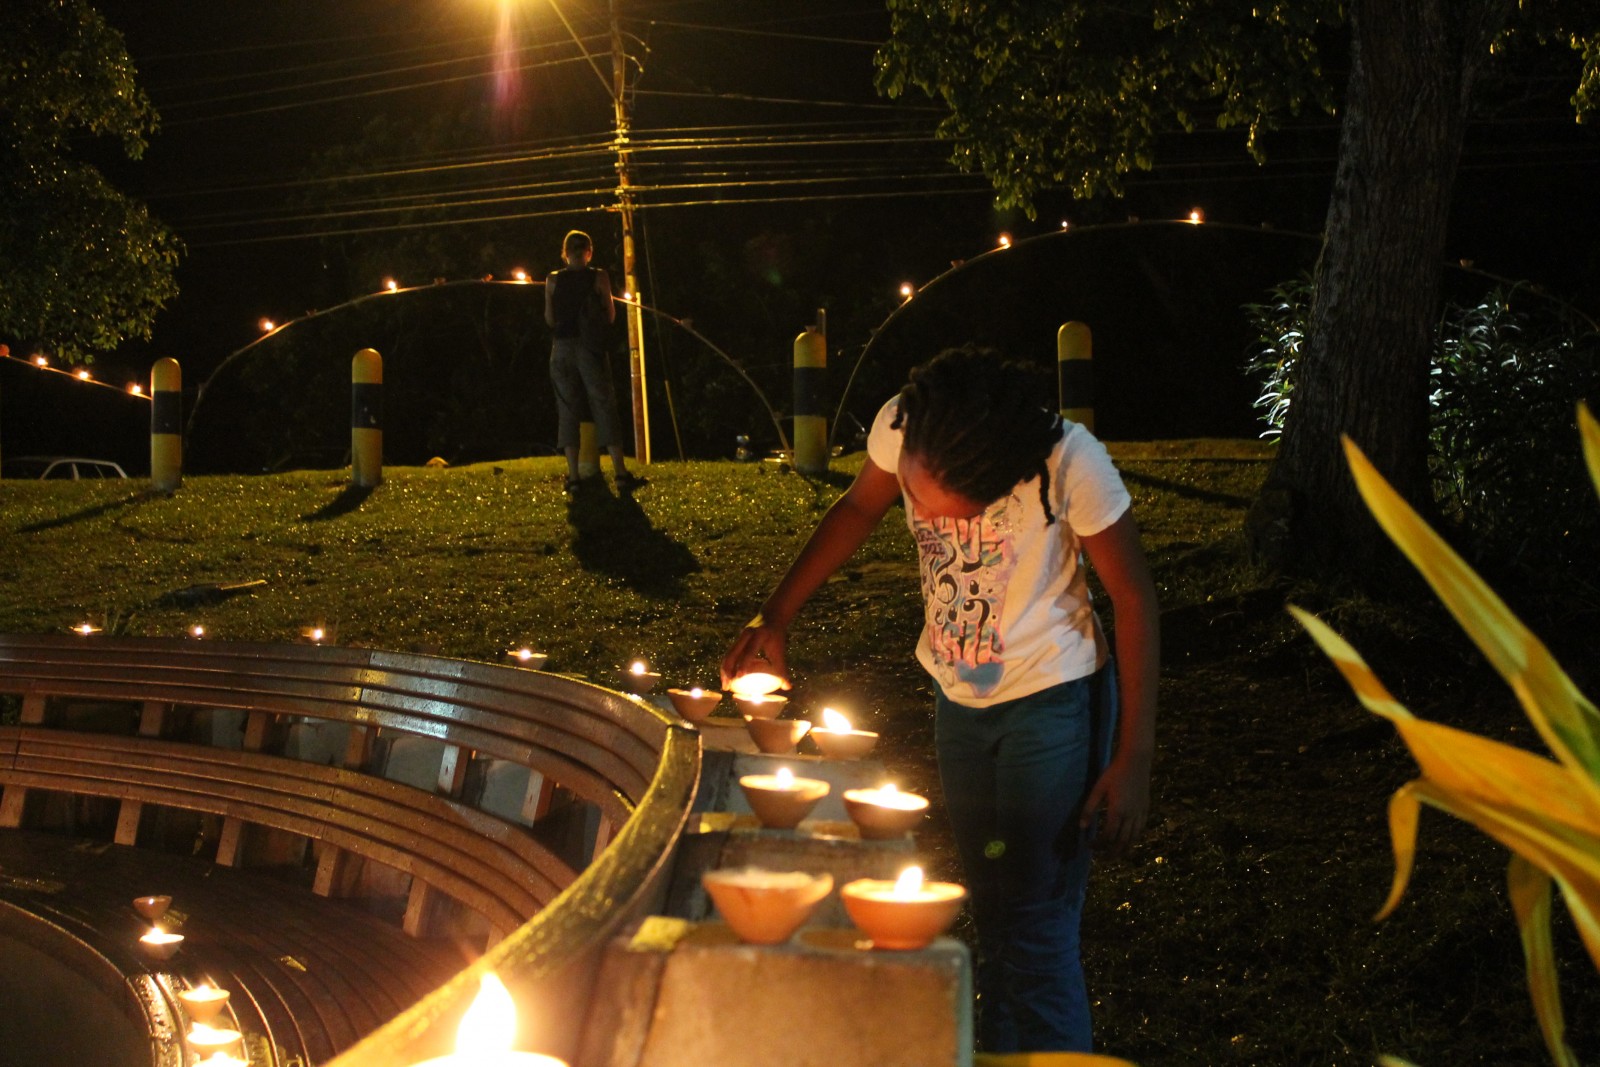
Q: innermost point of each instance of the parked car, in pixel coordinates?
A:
(60, 467)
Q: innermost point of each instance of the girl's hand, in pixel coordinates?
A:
(760, 646)
(1122, 799)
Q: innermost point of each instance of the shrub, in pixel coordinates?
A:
(1503, 383)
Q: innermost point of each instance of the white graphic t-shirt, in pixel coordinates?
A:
(1005, 598)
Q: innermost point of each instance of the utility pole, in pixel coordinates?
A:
(630, 281)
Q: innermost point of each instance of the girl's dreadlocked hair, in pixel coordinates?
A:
(975, 420)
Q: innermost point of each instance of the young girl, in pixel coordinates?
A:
(578, 308)
(1002, 496)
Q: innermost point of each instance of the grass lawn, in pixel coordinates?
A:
(1238, 933)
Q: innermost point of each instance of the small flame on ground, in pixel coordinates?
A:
(490, 1025)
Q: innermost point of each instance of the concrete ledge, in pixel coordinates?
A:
(687, 995)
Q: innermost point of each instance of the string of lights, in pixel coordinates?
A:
(41, 363)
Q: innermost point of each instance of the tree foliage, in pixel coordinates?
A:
(84, 266)
(1046, 95)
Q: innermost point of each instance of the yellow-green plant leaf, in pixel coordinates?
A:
(1567, 721)
(1530, 902)
(1405, 813)
(1589, 431)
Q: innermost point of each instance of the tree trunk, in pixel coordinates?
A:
(1364, 366)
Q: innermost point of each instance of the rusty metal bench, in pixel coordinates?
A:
(615, 753)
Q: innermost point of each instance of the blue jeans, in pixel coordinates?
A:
(1015, 777)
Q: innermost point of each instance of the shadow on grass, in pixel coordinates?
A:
(93, 512)
(1179, 489)
(613, 535)
(348, 500)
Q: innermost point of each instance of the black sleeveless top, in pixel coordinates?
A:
(573, 297)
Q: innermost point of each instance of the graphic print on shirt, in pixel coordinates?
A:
(966, 564)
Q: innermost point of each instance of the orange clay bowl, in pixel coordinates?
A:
(901, 924)
(636, 682)
(880, 822)
(757, 707)
(836, 744)
(776, 737)
(203, 1005)
(781, 809)
(692, 707)
(765, 907)
(152, 908)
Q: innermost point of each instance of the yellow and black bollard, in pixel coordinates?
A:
(810, 383)
(166, 425)
(366, 419)
(1075, 356)
(588, 450)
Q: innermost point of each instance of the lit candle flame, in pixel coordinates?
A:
(391, 285)
(1197, 216)
(697, 692)
(490, 1025)
(86, 628)
(889, 789)
(520, 275)
(197, 630)
(524, 654)
(638, 666)
(755, 684)
(909, 884)
(83, 376)
(135, 388)
(785, 778)
(835, 721)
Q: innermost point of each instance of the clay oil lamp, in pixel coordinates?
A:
(207, 1041)
(203, 1002)
(765, 907)
(638, 679)
(756, 695)
(903, 914)
(523, 656)
(781, 800)
(160, 945)
(776, 737)
(695, 704)
(152, 908)
(837, 740)
(884, 812)
(487, 1032)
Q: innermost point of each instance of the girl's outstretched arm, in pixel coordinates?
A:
(763, 644)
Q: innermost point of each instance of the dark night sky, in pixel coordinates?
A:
(251, 94)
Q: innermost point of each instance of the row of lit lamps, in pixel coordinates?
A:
(1195, 217)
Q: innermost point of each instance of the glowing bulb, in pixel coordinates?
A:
(267, 325)
(391, 285)
(906, 289)
(1197, 216)
(835, 721)
(1005, 240)
(785, 778)
(909, 884)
